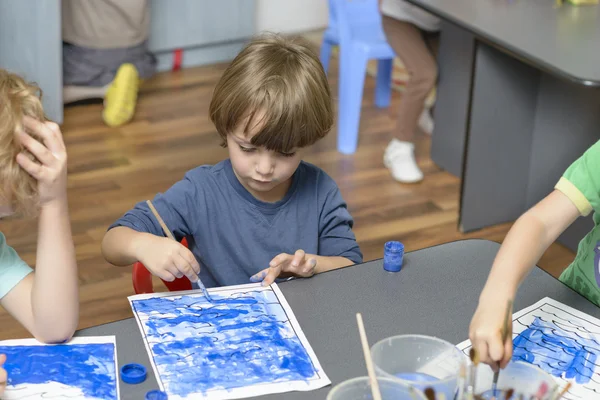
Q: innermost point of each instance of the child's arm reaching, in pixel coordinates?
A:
(525, 243)
(47, 301)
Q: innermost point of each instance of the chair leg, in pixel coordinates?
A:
(383, 88)
(325, 56)
(353, 67)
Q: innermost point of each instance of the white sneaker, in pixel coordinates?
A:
(399, 157)
(426, 122)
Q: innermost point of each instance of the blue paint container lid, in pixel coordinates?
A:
(133, 373)
(156, 395)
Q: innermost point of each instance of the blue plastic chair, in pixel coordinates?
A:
(356, 26)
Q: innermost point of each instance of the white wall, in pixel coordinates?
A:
(290, 16)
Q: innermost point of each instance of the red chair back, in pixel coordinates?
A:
(142, 279)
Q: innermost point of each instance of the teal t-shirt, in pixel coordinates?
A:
(12, 268)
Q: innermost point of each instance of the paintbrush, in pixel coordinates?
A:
(563, 391)
(543, 389)
(504, 335)
(462, 379)
(474, 356)
(429, 393)
(368, 360)
(170, 236)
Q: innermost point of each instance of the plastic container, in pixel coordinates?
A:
(360, 389)
(420, 361)
(524, 378)
(393, 256)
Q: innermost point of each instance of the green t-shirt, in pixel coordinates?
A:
(581, 184)
(12, 268)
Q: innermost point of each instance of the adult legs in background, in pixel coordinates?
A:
(409, 44)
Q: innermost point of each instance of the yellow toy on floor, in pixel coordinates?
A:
(121, 96)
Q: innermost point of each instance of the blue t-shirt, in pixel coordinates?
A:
(12, 268)
(234, 235)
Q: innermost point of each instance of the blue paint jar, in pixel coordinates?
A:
(393, 253)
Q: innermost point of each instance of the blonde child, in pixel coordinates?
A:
(33, 173)
(577, 193)
(263, 212)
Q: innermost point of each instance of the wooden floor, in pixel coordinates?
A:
(112, 169)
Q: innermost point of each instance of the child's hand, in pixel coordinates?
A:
(3, 377)
(168, 259)
(285, 264)
(50, 170)
(485, 332)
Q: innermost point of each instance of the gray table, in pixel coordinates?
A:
(518, 101)
(435, 294)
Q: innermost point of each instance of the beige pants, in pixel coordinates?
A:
(418, 56)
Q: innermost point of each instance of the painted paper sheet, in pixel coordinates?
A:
(245, 343)
(560, 340)
(83, 369)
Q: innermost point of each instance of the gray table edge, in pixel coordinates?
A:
(507, 47)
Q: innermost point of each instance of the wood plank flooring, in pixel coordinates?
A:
(112, 169)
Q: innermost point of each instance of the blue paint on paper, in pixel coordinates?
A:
(226, 344)
(89, 367)
(557, 351)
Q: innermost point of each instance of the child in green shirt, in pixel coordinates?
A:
(577, 193)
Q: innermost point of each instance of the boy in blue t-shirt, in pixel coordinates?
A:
(263, 213)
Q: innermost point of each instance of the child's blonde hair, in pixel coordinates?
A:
(17, 99)
(283, 81)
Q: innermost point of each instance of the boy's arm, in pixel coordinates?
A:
(138, 236)
(336, 239)
(178, 207)
(525, 243)
(325, 263)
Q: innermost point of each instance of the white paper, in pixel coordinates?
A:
(562, 341)
(85, 368)
(246, 343)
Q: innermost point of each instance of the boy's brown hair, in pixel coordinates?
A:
(17, 99)
(283, 81)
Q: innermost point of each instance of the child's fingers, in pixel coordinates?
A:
(272, 274)
(279, 259)
(185, 268)
(298, 259)
(41, 152)
(165, 275)
(191, 259)
(508, 349)
(260, 276)
(496, 348)
(2, 359)
(482, 351)
(49, 132)
(310, 267)
(34, 169)
(171, 271)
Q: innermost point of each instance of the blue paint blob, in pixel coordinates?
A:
(559, 352)
(89, 367)
(498, 394)
(417, 377)
(230, 343)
